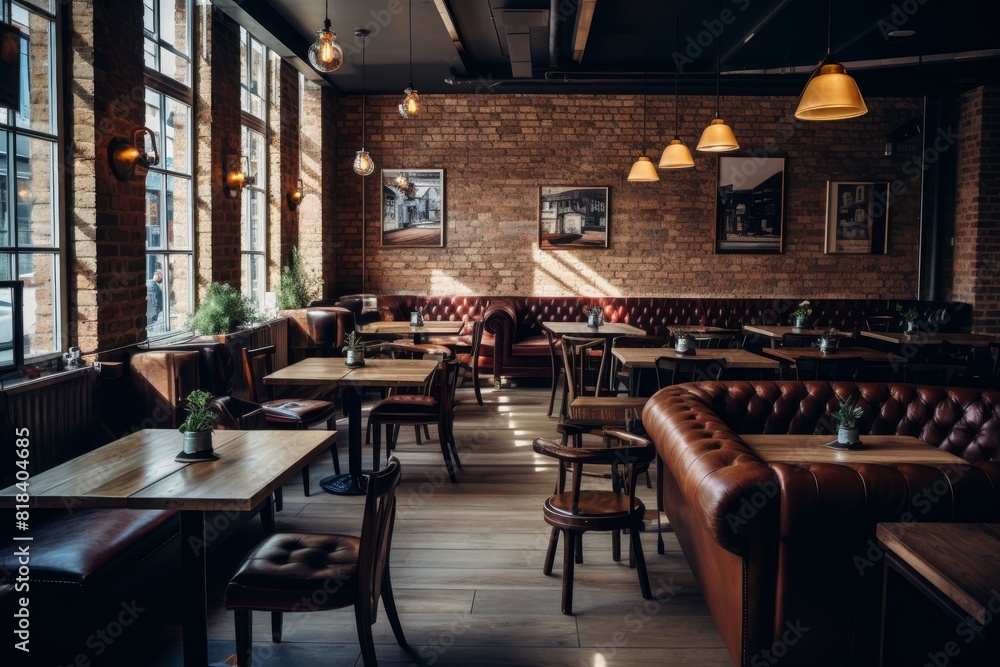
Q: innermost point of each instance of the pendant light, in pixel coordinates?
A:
(676, 155)
(363, 164)
(325, 54)
(718, 137)
(411, 103)
(643, 171)
(830, 93)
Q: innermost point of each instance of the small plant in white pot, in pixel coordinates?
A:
(800, 314)
(911, 316)
(198, 427)
(354, 350)
(683, 342)
(846, 418)
(828, 342)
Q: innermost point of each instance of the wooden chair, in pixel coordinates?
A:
(584, 410)
(314, 572)
(715, 342)
(420, 410)
(468, 364)
(555, 355)
(833, 367)
(286, 413)
(671, 371)
(632, 380)
(574, 512)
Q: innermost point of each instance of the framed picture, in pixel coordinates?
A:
(413, 208)
(750, 207)
(857, 218)
(572, 216)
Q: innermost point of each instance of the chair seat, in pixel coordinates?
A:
(285, 569)
(604, 410)
(408, 404)
(294, 410)
(594, 504)
(533, 346)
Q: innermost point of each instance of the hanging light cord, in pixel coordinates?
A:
(326, 21)
(411, 45)
(677, 78)
(644, 112)
(364, 88)
(829, 22)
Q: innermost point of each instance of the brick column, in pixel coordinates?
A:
(283, 167)
(976, 262)
(312, 212)
(106, 239)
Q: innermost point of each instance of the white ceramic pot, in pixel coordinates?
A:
(682, 344)
(800, 322)
(355, 358)
(847, 436)
(196, 442)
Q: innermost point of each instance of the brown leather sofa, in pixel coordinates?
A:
(516, 343)
(786, 555)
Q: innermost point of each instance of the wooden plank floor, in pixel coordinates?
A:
(467, 565)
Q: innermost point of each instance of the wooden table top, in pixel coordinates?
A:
(400, 327)
(924, 338)
(877, 449)
(696, 329)
(959, 559)
(375, 372)
(790, 354)
(606, 330)
(139, 472)
(779, 331)
(645, 357)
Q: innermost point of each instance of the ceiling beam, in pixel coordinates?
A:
(449, 24)
(584, 19)
(743, 41)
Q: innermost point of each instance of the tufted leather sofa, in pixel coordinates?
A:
(518, 347)
(786, 554)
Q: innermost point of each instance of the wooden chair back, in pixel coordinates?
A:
(257, 364)
(670, 371)
(376, 537)
(577, 356)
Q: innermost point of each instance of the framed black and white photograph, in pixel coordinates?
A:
(750, 207)
(857, 218)
(413, 208)
(573, 216)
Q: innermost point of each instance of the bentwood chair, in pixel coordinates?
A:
(636, 381)
(670, 371)
(286, 413)
(470, 364)
(317, 572)
(573, 512)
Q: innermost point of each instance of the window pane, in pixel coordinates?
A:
(177, 295)
(36, 71)
(5, 238)
(178, 213)
(41, 306)
(155, 237)
(252, 278)
(155, 294)
(254, 210)
(177, 142)
(173, 24)
(35, 209)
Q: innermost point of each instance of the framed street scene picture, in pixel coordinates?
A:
(413, 208)
(573, 216)
(857, 218)
(750, 205)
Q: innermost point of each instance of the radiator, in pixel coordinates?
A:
(57, 411)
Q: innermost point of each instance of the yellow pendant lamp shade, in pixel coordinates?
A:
(676, 156)
(718, 138)
(643, 171)
(830, 94)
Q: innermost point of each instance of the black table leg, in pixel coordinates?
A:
(353, 483)
(195, 602)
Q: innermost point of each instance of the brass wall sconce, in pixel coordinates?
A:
(296, 195)
(238, 176)
(128, 161)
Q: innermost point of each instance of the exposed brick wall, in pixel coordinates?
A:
(976, 262)
(311, 210)
(106, 246)
(283, 167)
(497, 149)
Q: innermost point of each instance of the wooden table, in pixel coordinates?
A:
(645, 357)
(429, 327)
(608, 331)
(925, 338)
(375, 373)
(139, 472)
(878, 449)
(790, 354)
(776, 333)
(955, 566)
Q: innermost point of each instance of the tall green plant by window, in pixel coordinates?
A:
(297, 286)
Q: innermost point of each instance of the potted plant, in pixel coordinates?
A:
(683, 342)
(198, 426)
(297, 286)
(845, 417)
(827, 343)
(354, 350)
(800, 314)
(911, 316)
(223, 310)
(595, 316)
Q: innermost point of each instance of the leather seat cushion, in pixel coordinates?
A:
(287, 572)
(294, 410)
(406, 403)
(592, 503)
(533, 346)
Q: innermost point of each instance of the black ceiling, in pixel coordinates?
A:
(765, 45)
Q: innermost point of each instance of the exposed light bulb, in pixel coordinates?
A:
(410, 105)
(363, 163)
(325, 54)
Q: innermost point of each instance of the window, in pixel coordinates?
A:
(166, 28)
(30, 236)
(253, 81)
(169, 256)
(170, 269)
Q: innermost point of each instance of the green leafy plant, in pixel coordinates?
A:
(847, 413)
(297, 286)
(200, 416)
(352, 343)
(804, 310)
(911, 315)
(223, 310)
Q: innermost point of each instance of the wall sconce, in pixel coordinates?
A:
(238, 176)
(24, 195)
(296, 195)
(127, 161)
